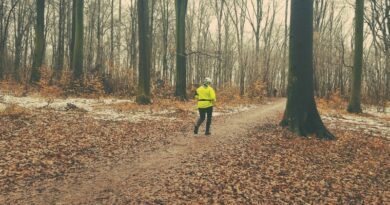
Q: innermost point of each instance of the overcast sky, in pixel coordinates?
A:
(280, 15)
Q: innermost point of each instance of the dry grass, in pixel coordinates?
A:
(335, 102)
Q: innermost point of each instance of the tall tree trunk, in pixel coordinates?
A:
(119, 39)
(78, 52)
(39, 41)
(144, 61)
(153, 56)
(165, 30)
(219, 8)
(301, 115)
(285, 60)
(20, 30)
(4, 33)
(354, 101)
(73, 32)
(181, 82)
(90, 39)
(112, 35)
(61, 41)
(3, 38)
(133, 39)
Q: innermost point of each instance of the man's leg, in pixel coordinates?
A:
(202, 116)
(209, 118)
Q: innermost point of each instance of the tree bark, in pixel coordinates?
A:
(78, 52)
(133, 39)
(165, 30)
(181, 58)
(112, 35)
(73, 32)
(20, 29)
(144, 61)
(301, 115)
(354, 101)
(4, 25)
(61, 41)
(39, 41)
(285, 59)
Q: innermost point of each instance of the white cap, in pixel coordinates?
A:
(207, 80)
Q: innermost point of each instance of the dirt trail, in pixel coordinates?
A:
(130, 175)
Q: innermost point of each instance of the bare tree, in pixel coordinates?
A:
(78, 53)
(144, 63)
(301, 114)
(354, 102)
(39, 41)
(61, 40)
(181, 58)
(238, 16)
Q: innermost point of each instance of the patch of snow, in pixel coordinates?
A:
(233, 110)
(372, 110)
(60, 104)
(113, 115)
(374, 126)
(99, 108)
(2, 107)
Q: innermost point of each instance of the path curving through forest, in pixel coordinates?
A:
(112, 182)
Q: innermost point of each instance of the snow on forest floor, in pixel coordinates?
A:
(114, 109)
(371, 122)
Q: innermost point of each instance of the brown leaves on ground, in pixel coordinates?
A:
(47, 145)
(271, 166)
(268, 165)
(12, 110)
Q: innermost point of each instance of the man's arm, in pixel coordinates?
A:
(213, 95)
(196, 96)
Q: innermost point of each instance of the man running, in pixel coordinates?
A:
(205, 95)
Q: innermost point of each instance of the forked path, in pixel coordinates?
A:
(129, 175)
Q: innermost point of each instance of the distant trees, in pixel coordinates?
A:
(144, 62)
(238, 43)
(181, 58)
(301, 115)
(354, 102)
(237, 13)
(377, 78)
(39, 41)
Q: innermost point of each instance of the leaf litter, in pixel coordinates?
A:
(268, 165)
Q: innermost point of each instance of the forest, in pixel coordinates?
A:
(99, 99)
(237, 43)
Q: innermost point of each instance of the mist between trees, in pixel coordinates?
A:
(238, 43)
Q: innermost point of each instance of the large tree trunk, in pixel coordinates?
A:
(181, 82)
(39, 41)
(78, 53)
(301, 114)
(144, 61)
(354, 101)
